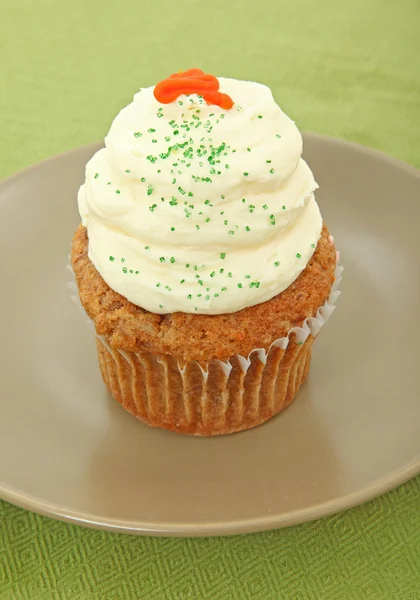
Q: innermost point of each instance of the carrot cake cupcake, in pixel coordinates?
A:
(202, 257)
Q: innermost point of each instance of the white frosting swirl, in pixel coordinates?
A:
(197, 209)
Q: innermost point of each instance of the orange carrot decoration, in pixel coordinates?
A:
(193, 81)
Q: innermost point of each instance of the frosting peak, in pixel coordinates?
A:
(194, 208)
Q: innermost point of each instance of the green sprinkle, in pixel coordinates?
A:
(223, 255)
(298, 255)
(167, 138)
(123, 260)
(283, 208)
(147, 247)
(225, 221)
(176, 132)
(244, 200)
(117, 192)
(229, 274)
(268, 161)
(172, 259)
(200, 282)
(173, 202)
(208, 219)
(151, 130)
(143, 179)
(197, 227)
(265, 207)
(247, 276)
(221, 271)
(249, 149)
(239, 285)
(154, 141)
(251, 208)
(150, 190)
(172, 228)
(124, 269)
(272, 171)
(180, 190)
(182, 281)
(260, 116)
(272, 219)
(248, 228)
(312, 245)
(162, 259)
(189, 296)
(254, 284)
(160, 305)
(224, 289)
(127, 171)
(246, 174)
(278, 135)
(213, 273)
(216, 295)
(158, 285)
(231, 232)
(277, 263)
(111, 258)
(137, 134)
(152, 208)
(109, 183)
(97, 175)
(187, 265)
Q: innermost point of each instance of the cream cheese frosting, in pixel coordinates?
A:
(193, 208)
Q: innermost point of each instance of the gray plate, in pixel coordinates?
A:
(68, 450)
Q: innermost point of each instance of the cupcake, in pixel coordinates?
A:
(202, 257)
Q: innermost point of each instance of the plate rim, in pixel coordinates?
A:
(233, 527)
(214, 528)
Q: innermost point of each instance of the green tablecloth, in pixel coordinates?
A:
(348, 69)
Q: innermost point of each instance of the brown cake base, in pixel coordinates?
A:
(189, 337)
(186, 372)
(159, 393)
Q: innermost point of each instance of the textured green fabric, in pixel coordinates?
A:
(348, 69)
